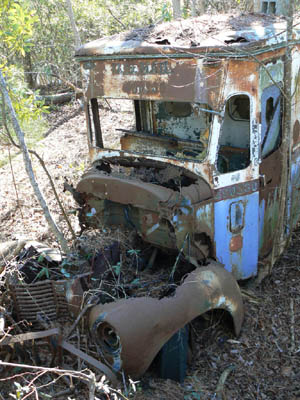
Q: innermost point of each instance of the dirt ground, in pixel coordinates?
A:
(262, 363)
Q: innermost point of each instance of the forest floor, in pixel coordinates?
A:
(262, 363)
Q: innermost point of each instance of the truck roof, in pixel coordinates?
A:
(232, 34)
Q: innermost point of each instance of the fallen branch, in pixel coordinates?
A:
(55, 98)
(91, 360)
(220, 387)
(293, 345)
(28, 336)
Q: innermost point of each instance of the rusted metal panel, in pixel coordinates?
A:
(48, 299)
(45, 298)
(132, 346)
(242, 220)
(271, 165)
(186, 79)
(160, 214)
(233, 191)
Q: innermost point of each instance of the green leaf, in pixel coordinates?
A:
(40, 258)
(43, 271)
(117, 268)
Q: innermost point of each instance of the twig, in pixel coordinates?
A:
(92, 386)
(117, 19)
(292, 348)
(78, 91)
(62, 393)
(220, 386)
(14, 183)
(80, 315)
(13, 323)
(34, 389)
(49, 177)
(177, 259)
(109, 106)
(75, 374)
(89, 379)
(79, 366)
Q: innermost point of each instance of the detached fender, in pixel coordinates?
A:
(130, 332)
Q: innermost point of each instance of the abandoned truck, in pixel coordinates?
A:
(207, 169)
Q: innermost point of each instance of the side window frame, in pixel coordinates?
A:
(236, 159)
(271, 120)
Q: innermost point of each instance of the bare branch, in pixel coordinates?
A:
(28, 166)
(73, 24)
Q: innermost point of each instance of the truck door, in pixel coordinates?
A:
(236, 189)
(270, 167)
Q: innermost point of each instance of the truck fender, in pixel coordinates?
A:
(130, 332)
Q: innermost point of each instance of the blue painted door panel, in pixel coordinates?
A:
(236, 225)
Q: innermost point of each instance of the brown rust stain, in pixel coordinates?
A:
(171, 80)
(125, 191)
(236, 243)
(238, 189)
(177, 83)
(239, 72)
(296, 132)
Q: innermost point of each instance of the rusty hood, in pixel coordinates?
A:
(133, 191)
(130, 332)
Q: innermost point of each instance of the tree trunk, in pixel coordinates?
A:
(73, 24)
(257, 6)
(176, 9)
(28, 70)
(283, 231)
(28, 167)
(197, 7)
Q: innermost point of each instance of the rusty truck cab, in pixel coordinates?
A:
(199, 168)
(203, 146)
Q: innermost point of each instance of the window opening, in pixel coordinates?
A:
(239, 108)
(178, 110)
(271, 120)
(179, 130)
(172, 129)
(234, 142)
(269, 7)
(269, 109)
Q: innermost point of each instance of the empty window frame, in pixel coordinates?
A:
(271, 128)
(234, 142)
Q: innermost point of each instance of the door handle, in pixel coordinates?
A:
(262, 181)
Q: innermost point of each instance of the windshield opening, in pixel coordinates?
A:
(178, 130)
